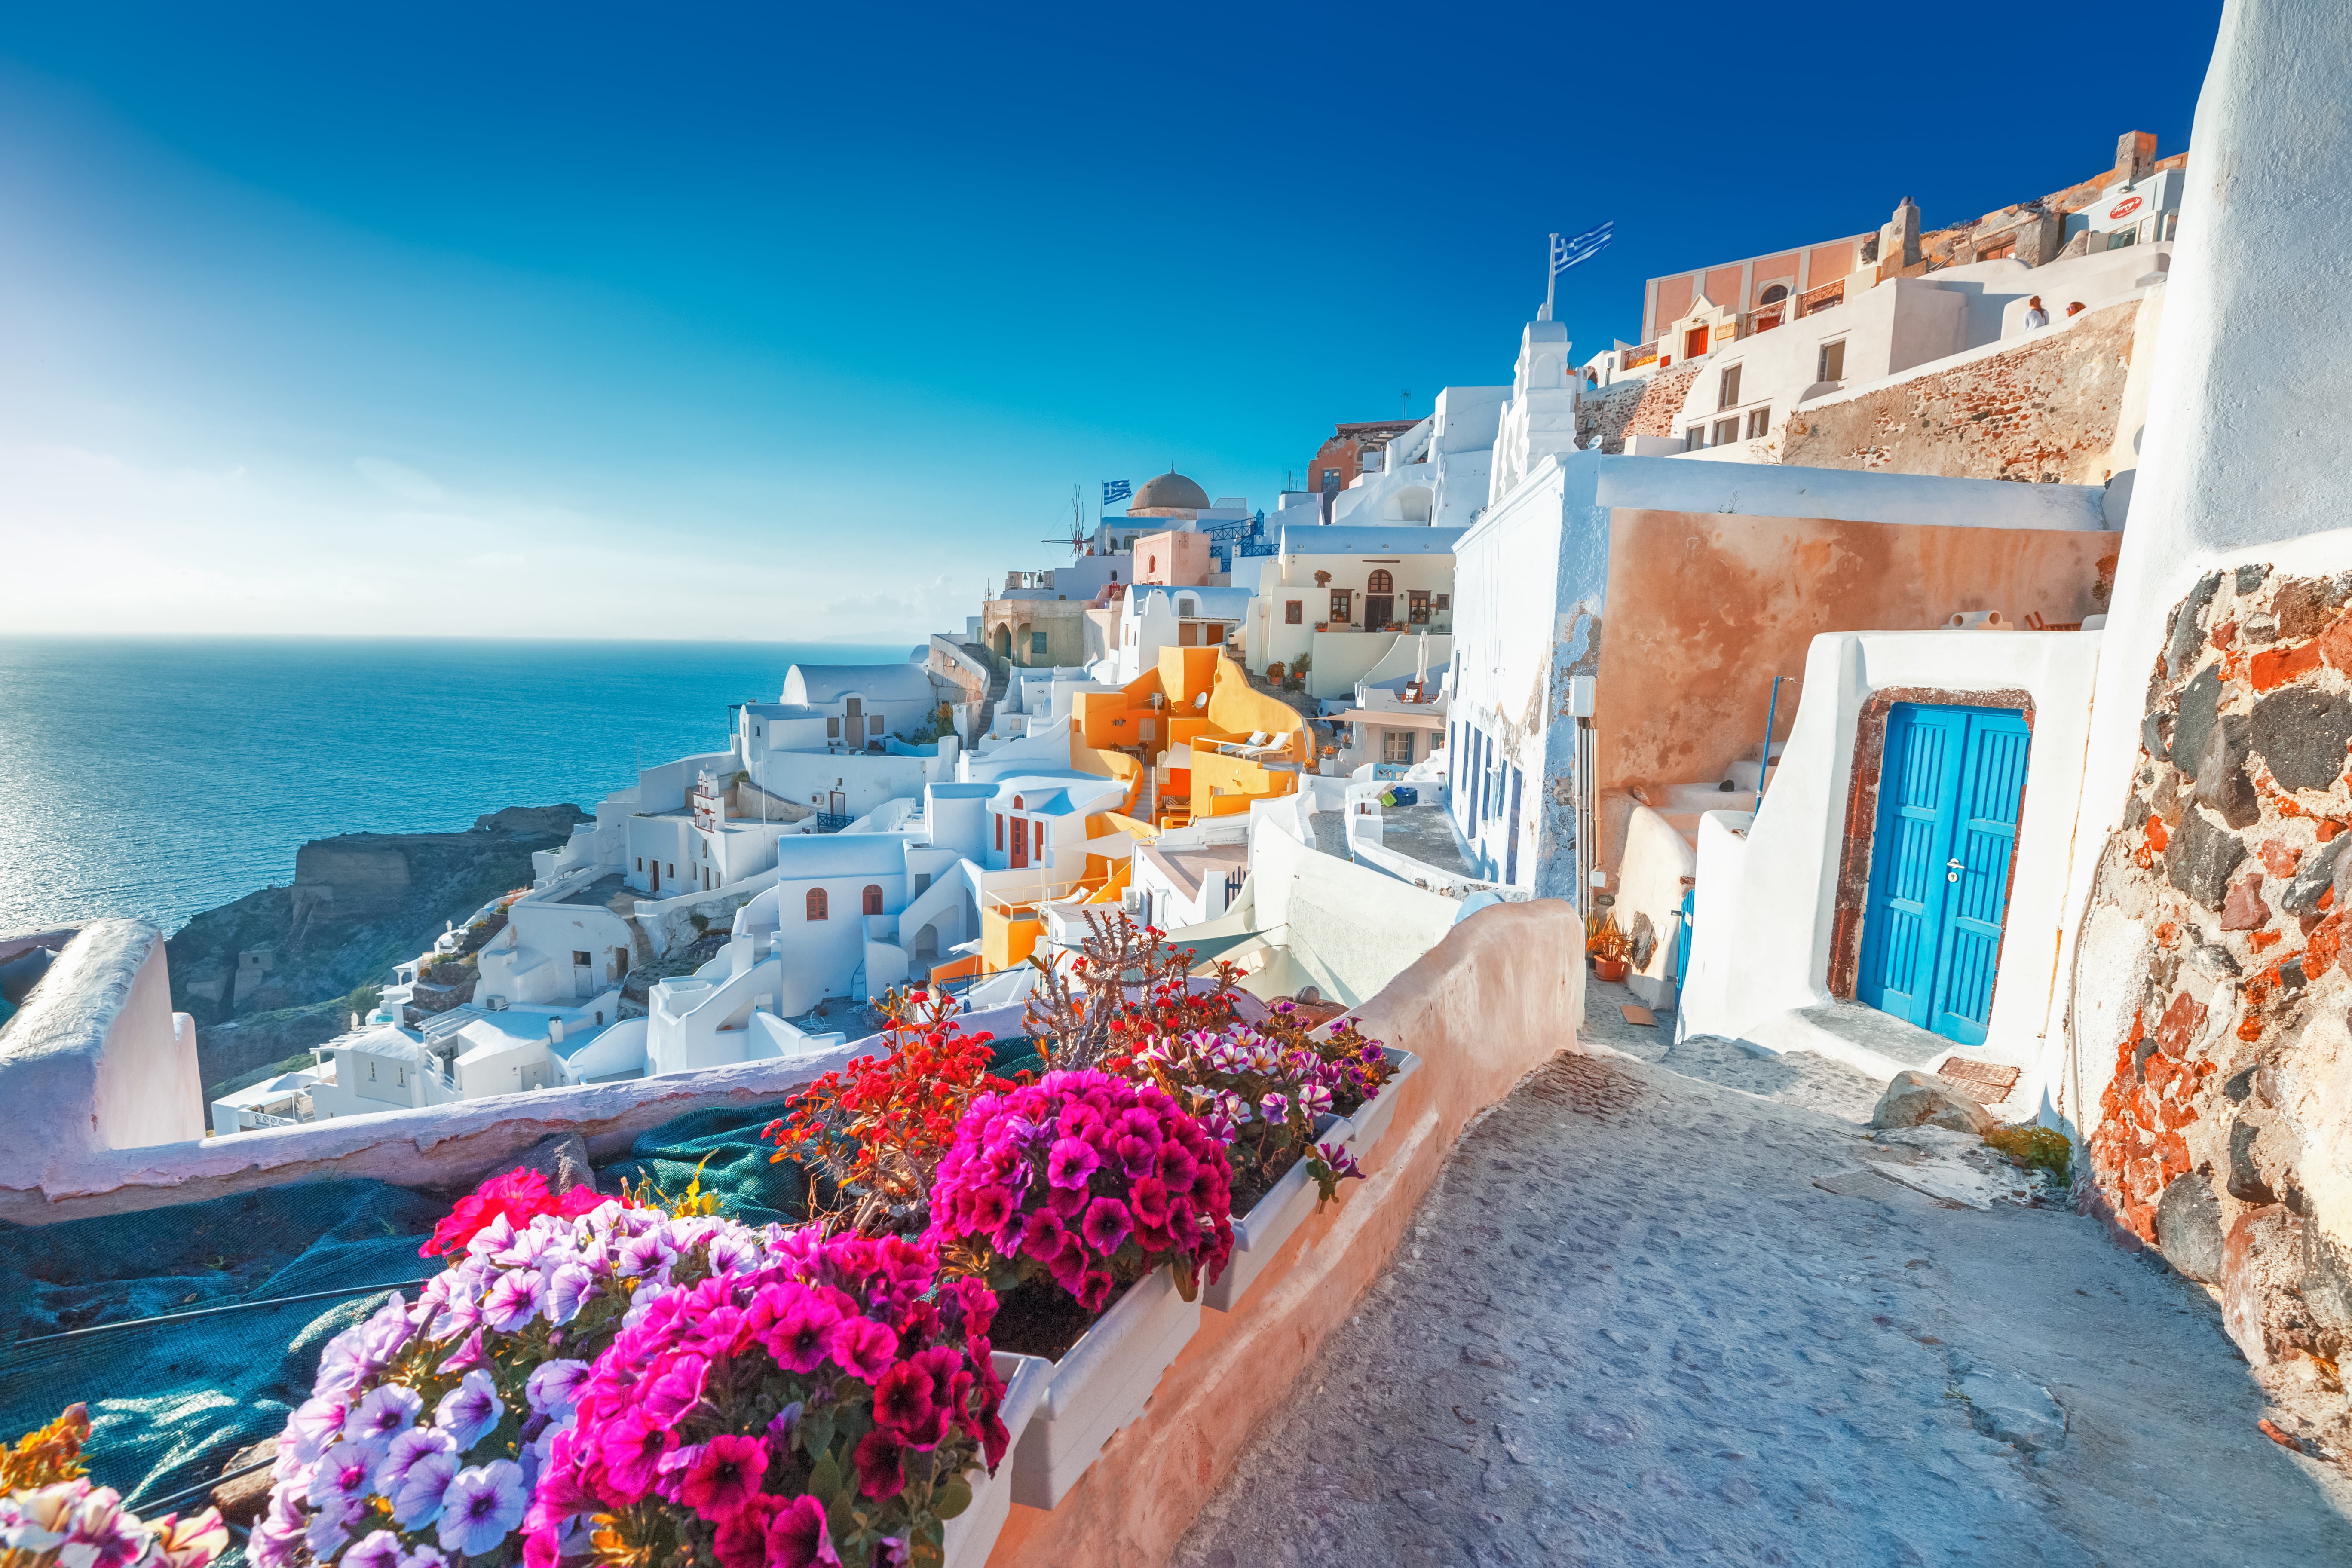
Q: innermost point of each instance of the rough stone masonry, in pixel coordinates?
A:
(2224, 1133)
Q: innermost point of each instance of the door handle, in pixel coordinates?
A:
(1953, 875)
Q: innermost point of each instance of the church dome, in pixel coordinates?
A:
(1165, 493)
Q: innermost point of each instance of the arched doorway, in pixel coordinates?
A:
(1003, 641)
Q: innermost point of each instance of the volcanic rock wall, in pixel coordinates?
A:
(2225, 1136)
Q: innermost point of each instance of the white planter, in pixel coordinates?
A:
(1259, 1233)
(972, 1535)
(1101, 1385)
(1364, 1129)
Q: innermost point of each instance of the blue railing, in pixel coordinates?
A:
(830, 822)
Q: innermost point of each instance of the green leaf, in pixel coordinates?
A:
(817, 1431)
(950, 1497)
(826, 1481)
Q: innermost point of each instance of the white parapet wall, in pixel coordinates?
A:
(97, 1063)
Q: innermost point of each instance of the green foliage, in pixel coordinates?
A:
(702, 923)
(2031, 1146)
(364, 999)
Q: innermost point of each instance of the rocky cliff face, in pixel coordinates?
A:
(267, 976)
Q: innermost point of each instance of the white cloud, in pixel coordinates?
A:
(399, 479)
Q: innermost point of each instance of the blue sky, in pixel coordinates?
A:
(788, 323)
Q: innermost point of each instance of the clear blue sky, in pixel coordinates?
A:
(756, 321)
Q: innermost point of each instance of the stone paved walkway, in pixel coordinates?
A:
(1628, 1326)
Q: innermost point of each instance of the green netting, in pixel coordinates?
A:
(171, 1403)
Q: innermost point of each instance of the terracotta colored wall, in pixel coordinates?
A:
(1723, 286)
(1830, 262)
(1485, 1008)
(1777, 269)
(1674, 295)
(1703, 610)
(1172, 559)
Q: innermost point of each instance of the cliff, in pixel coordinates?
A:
(269, 975)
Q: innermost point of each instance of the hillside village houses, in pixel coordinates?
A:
(1776, 639)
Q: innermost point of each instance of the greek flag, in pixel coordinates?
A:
(1116, 491)
(1567, 253)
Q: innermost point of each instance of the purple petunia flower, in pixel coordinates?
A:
(316, 1421)
(514, 1301)
(483, 1504)
(383, 1414)
(380, 1550)
(554, 1384)
(421, 1495)
(569, 1289)
(424, 1557)
(469, 1411)
(402, 1455)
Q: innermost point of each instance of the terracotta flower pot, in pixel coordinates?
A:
(1610, 969)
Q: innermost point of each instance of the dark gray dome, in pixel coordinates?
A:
(1170, 491)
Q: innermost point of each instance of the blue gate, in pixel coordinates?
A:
(1950, 788)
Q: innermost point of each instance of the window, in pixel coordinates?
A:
(1832, 366)
(1187, 607)
(581, 959)
(1293, 613)
(1037, 644)
(1151, 564)
(1341, 599)
(1759, 420)
(816, 905)
(1396, 746)
(1417, 606)
(874, 724)
(1694, 438)
(1000, 830)
(1728, 393)
(370, 1072)
(1380, 583)
(1774, 295)
(757, 732)
(2001, 250)
(832, 729)
(873, 899)
(673, 870)
(1439, 601)
(1726, 431)
(641, 862)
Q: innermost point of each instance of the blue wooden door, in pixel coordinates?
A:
(1950, 789)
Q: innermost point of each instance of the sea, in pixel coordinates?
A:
(161, 776)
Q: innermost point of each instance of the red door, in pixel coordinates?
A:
(1020, 842)
(1694, 343)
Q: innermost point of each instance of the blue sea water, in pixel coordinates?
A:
(161, 776)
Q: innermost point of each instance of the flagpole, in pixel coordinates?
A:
(1551, 275)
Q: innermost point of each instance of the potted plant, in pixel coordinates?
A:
(828, 1402)
(51, 1517)
(426, 1423)
(1611, 949)
(1270, 1102)
(1096, 1206)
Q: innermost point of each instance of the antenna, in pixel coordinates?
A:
(1404, 403)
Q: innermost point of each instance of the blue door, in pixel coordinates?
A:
(1950, 788)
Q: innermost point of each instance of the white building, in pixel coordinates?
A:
(1152, 617)
(1343, 597)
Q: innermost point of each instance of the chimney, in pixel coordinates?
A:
(2135, 156)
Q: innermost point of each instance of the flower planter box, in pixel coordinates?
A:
(1259, 1233)
(972, 1535)
(1363, 1131)
(1101, 1385)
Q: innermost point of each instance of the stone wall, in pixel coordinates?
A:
(2045, 410)
(1602, 416)
(1662, 403)
(2225, 1135)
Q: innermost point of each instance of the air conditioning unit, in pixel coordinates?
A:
(494, 1004)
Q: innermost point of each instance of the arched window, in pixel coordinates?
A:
(1382, 583)
(816, 906)
(1016, 804)
(1774, 295)
(873, 899)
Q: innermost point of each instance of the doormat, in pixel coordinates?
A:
(1988, 1083)
(1637, 1014)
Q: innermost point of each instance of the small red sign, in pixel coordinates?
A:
(2124, 207)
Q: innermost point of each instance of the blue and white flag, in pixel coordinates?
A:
(1567, 253)
(1116, 491)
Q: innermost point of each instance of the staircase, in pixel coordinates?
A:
(1000, 678)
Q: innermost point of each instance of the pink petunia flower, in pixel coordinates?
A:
(724, 1476)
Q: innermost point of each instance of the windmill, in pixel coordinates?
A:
(1080, 540)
